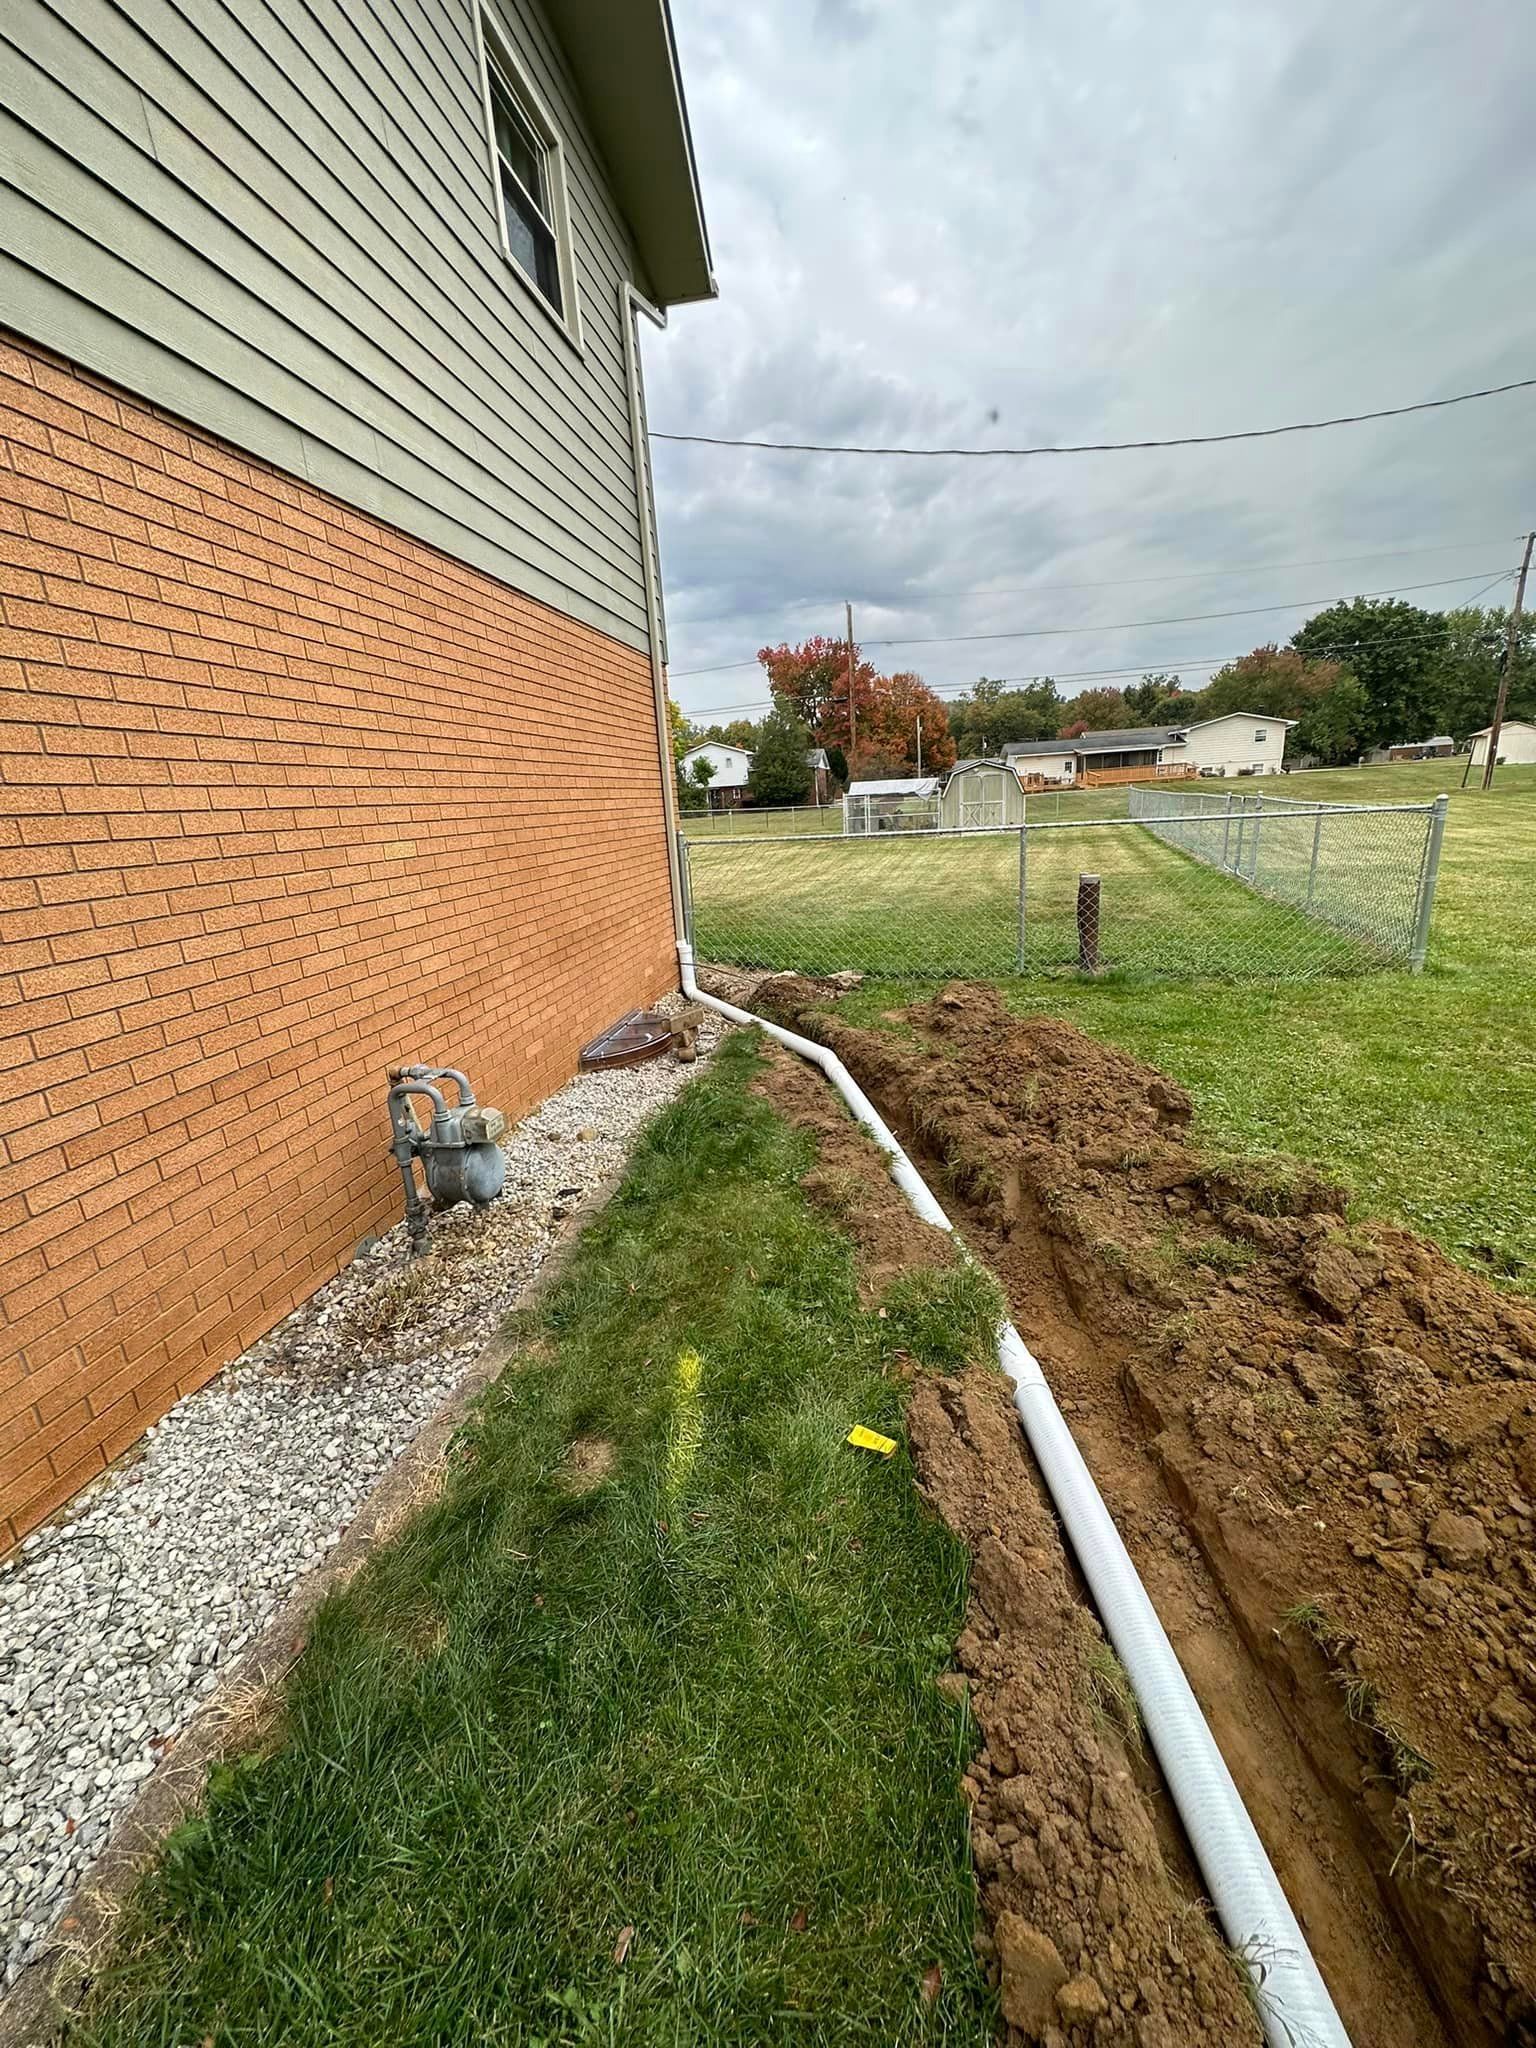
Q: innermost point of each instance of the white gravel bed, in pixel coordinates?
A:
(117, 1621)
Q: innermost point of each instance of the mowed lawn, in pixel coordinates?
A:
(919, 904)
(1418, 1090)
(632, 1738)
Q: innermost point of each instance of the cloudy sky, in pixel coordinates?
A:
(1020, 221)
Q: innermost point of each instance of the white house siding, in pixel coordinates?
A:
(1232, 744)
(1060, 767)
(1517, 742)
(276, 219)
(732, 765)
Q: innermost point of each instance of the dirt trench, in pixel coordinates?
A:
(1319, 1443)
(1097, 1936)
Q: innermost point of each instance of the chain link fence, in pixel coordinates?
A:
(789, 821)
(1184, 885)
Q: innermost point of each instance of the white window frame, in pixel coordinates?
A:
(1260, 735)
(496, 51)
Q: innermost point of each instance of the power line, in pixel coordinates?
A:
(1343, 419)
(1110, 626)
(1117, 582)
(1166, 663)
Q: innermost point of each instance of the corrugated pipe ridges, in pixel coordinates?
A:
(1293, 2001)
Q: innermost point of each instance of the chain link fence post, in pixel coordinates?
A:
(1317, 837)
(1023, 894)
(1428, 876)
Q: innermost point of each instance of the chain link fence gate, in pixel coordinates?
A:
(1184, 885)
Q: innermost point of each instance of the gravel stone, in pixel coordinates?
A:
(118, 1619)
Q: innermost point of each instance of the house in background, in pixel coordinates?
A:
(1440, 748)
(730, 786)
(1517, 742)
(330, 543)
(1042, 761)
(730, 776)
(1237, 743)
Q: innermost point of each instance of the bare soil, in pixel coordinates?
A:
(1097, 1932)
(1319, 1442)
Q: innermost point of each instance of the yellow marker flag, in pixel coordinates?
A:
(867, 1440)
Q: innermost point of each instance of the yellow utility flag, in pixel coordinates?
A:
(867, 1440)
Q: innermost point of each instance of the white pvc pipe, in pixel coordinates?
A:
(1293, 2001)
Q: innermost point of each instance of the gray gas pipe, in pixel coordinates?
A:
(458, 1150)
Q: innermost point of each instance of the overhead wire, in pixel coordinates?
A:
(1109, 626)
(1163, 664)
(1343, 419)
(924, 595)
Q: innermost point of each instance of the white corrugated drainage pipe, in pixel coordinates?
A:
(1293, 2000)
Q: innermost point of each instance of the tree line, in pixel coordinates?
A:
(1367, 672)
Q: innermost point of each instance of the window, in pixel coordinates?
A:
(1260, 732)
(530, 177)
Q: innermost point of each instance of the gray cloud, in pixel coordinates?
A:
(1088, 220)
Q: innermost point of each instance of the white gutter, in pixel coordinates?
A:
(632, 302)
(1293, 2002)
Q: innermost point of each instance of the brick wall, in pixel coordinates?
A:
(284, 797)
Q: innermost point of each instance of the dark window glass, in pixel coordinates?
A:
(525, 192)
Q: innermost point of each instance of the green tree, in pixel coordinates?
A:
(1468, 676)
(1332, 727)
(781, 774)
(739, 732)
(991, 714)
(837, 766)
(683, 734)
(1157, 700)
(1326, 703)
(1093, 711)
(693, 785)
(1397, 652)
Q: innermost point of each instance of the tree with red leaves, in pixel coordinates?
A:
(812, 680)
(891, 724)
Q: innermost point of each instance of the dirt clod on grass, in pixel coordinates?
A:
(1332, 1430)
(589, 1461)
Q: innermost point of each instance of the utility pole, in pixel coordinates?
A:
(919, 745)
(853, 733)
(1511, 643)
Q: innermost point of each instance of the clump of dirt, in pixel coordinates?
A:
(1098, 1937)
(589, 1461)
(1095, 1935)
(1339, 1425)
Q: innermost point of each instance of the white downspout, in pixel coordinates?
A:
(1293, 2001)
(632, 302)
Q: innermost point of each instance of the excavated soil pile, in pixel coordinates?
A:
(1340, 1428)
(1097, 1935)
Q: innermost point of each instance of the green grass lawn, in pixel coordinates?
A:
(1419, 1091)
(696, 1703)
(920, 904)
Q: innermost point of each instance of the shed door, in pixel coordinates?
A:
(983, 800)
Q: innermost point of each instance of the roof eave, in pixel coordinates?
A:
(625, 60)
